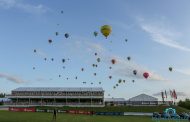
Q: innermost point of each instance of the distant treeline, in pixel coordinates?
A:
(2, 95)
(184, 104)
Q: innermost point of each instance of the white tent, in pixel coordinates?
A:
(143, 97)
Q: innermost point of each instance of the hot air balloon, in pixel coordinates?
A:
(35, 51)
(126, 40)
(135, 72)
(98, 59)
(99, 82)
(52, 59)
(110, 67)
(67, 78)
(113, 61)
(56, 33)
(117, 84)
(170, 69)
(146, 75)
(95, 54)
(95, 33)
(50, 41)
(93, 65)
(96, 65)
(45, 59)
(82, 69)
(133, 81)
(94, 74)
(91, 83)
(76, 77)
(119, 81)
(106, 30)
(114, 87)
(110, 77)
(128, 58)
(63, 60)
(34, 68)
(123, 81)
(59, 75)
(66, 35)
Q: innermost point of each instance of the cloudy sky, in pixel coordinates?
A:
(157, 34)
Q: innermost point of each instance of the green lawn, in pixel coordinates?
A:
(123, 109)
(6, 116)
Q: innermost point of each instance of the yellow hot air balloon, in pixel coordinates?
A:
(106, 30)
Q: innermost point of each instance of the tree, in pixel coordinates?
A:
(184, 104)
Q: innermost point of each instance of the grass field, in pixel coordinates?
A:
(123, 109)
(6, 116)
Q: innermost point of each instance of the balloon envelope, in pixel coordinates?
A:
(63, 60)
(170, 68)
(66, 35)
(106, 30)
(134, 72)
(50, 41)
(95, 33)
(128, 58)
(98, 59)
(113, 61)
(146, 75)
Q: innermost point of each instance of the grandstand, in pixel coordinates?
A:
(57, 96)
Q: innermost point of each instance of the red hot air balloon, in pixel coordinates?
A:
(146, 75)
(113, 61)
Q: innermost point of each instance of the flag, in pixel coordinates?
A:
(174, 94)
(162, 94)
(166, 94)
(171, 93)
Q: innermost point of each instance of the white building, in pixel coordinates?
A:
(141, 100)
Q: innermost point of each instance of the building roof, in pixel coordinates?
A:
(114, 100)
(62, 97)
(143, 97)
(58, 89)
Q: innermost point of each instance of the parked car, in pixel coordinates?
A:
(184, 116)
(165, 115)
(175, 116)
(156, 115)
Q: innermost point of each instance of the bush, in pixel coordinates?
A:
(1, 103)
(184, 104)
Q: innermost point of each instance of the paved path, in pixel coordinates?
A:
(4, 108)
(137, 114)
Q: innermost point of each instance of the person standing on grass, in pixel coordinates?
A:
(54, 114)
